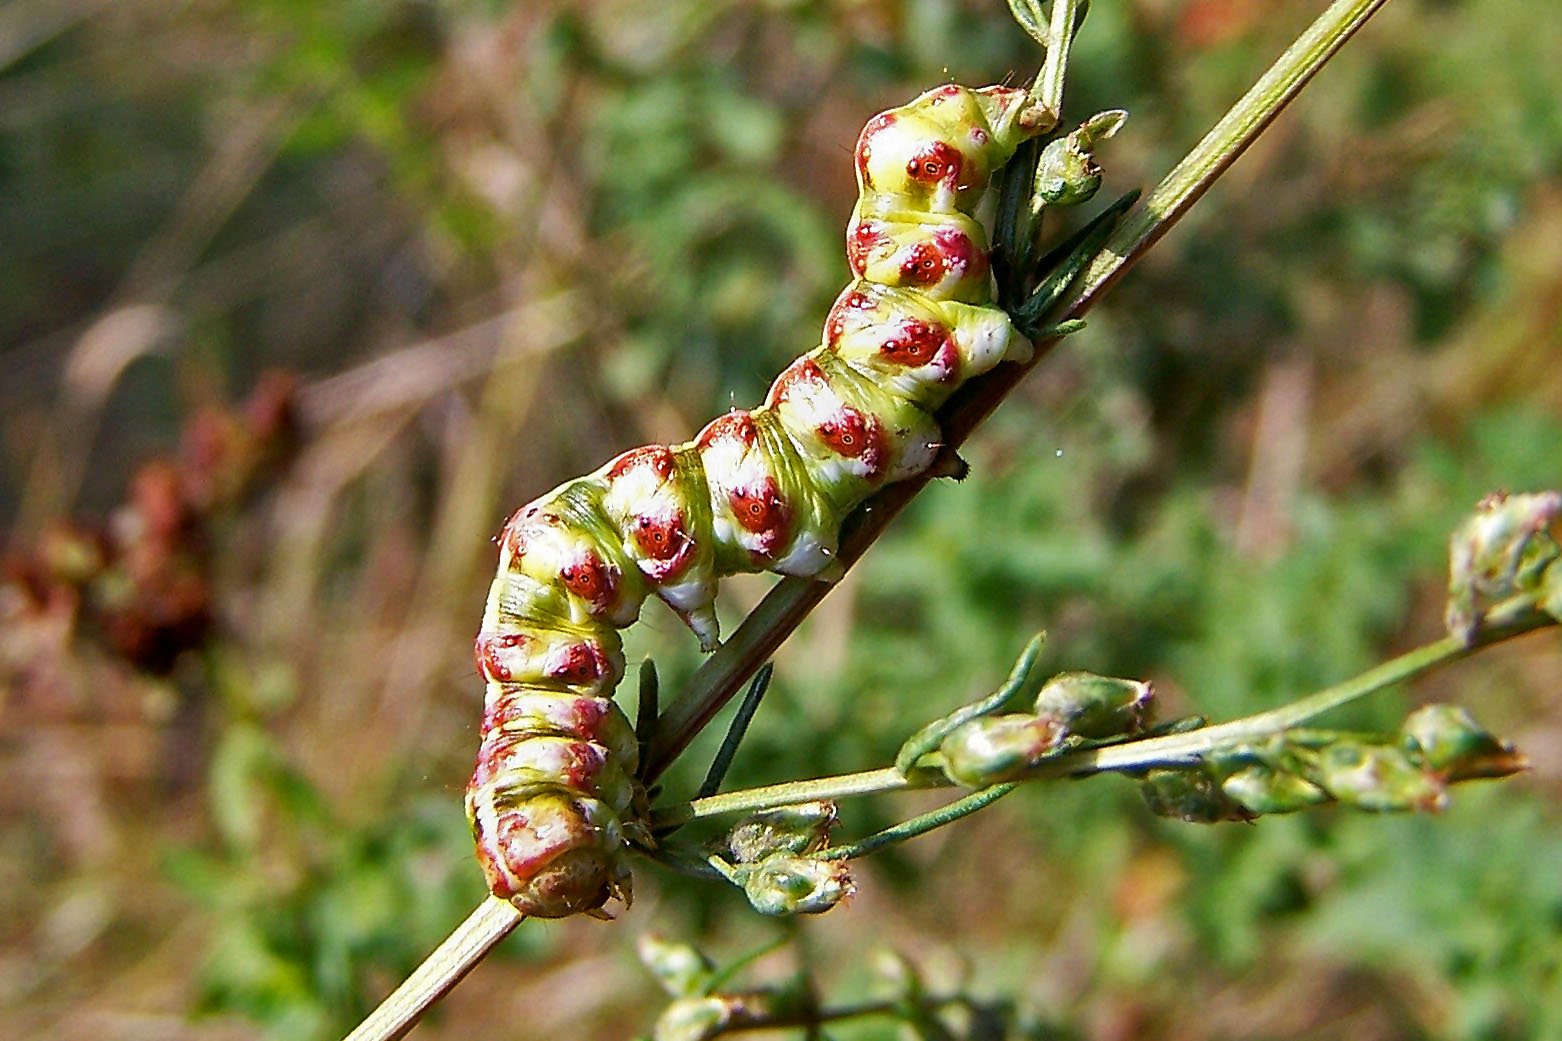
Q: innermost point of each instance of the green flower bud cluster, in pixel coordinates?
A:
(1067, 173)
(1505, 552)
(1409, 770)
(698, 1012)
(800, 828)
(769, 855)
(1072, 709)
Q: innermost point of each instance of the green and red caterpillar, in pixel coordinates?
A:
(554, 797)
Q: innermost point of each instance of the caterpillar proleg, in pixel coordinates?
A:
(555, 796)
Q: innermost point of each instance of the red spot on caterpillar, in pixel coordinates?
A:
(665, 543)
(658, 457)
(736, 425)
(948, 361)
(591, 579)
(541, 712)
(492, 755)
(587, 714)
(581, 662)
(924, 265)
(915, 342)
(951, 250)
(520, 848)
(841, 313)
(582, 762)
(960, 253)
(489, 650)
(522, 523)
(489, 858)
(865, 236)
(935, 163)
(510, 537)
(804, 370)
(855, 436)
(760, 510)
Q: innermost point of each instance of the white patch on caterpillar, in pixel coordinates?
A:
(808, 555)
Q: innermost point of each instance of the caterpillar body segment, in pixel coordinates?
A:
(555, 796)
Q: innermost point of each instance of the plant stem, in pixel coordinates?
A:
(840, 786)
(1130, 755)
(1227, 139)
(921, 825)
(491, 922)
(1188, 747)
(1048, 88)
(784, 608)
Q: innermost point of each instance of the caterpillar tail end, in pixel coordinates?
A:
(561, 855)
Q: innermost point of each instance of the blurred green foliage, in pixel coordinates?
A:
(1237, 482)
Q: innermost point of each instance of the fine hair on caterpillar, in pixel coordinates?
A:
(555, 795)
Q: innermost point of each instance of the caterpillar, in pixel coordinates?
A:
(554, 797)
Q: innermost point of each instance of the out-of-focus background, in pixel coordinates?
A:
(495, 243)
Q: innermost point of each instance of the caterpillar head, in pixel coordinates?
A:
(940, 149)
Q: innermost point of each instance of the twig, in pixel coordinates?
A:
(1226, 140)
(920, 824)
(1170, 749)
(1048, 89)
(448, 965)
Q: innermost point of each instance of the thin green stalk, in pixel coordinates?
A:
(1130, 755)
(1227, 139)
(1048, 88)
(922, 824)
(1188, 747)
(841, 786)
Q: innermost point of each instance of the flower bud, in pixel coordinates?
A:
(1067, 173)
(1263, 790)
(785, 884)
(1449, 741)
(1380, 778)
(997, 748)
(1190, 795)
(1087, 705)
(802, 828)
(693, 1019)
(1505, 549)
(700, 1019)
(679, 967)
